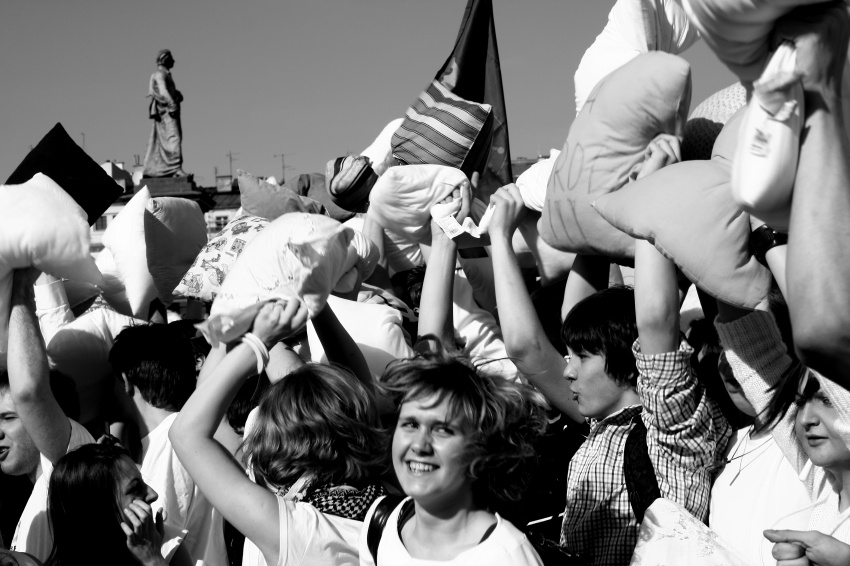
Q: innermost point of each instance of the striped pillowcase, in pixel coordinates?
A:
(441, 129)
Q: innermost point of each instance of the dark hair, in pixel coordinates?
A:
(785, 391)
(157, 360)
(604, 324)
(317, 420)
(82, 504)
(408, 285)
(246, 399)
(704, 340)
(502, 419)
(64, 390)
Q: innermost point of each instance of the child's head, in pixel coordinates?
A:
(599, 332)
(318, 420)
(461, 436)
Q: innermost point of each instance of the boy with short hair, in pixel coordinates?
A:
(654, 432)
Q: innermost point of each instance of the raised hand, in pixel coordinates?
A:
(662, 151)
(144, 533)
(820, 35)
(508, 211)
(278, 320)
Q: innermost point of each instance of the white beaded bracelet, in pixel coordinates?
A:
(259, 349)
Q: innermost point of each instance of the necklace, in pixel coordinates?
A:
(762, 448)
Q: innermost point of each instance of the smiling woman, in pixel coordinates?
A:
(460, 451)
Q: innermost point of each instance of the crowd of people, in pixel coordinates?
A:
(220, 436)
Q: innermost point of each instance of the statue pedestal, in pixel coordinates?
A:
(168, 186)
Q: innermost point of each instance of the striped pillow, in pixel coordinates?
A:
(442, 129)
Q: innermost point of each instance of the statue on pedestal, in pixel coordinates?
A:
(164, 157)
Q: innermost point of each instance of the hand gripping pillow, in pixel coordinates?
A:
(402, 198)
(634, 27)
(443, 129)
(203, 280)
(686, 211)
(738, 31)
(707, 120)
(269, 200)
(151, 244)
(765, 163)
(303, 256)
(606, 144)
(41, 226)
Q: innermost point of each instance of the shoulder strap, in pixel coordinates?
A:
(379, 520)
(641, 482)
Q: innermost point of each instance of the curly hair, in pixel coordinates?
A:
(318, 420)
(503, 420)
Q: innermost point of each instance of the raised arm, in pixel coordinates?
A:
(818, 255)
(29, 375)
(525, 340)
(340, 348)
(250, 508)
(435, 304)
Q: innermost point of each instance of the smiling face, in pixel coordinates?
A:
(131, 486)
(816, 430)
(18, 454)
(428, 454)
(597, 394)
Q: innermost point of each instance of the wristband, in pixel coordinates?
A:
(763, 239)
(259, 349)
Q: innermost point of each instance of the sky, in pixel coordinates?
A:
(310, 79)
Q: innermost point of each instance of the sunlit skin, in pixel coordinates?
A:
(428, 455)
(18, 454)
(817, 433)
(132, 486)
(597, 394)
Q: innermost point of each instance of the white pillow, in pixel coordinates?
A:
(402, 198)
(376, 329)
(41, 226)
(380, 153)
(298, 255)
(152, 243)
(634, 27)
(534, 180)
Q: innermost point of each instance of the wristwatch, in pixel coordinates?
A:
(763, 239)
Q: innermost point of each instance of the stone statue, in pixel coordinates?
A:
(164, 157)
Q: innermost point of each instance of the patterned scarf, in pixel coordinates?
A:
(341, 500)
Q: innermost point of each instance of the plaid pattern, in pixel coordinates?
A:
(686, 436)
(440, 129)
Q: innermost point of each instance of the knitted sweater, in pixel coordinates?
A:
(757, 355)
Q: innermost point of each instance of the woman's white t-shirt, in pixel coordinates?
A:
(309, 537)
(506, 546)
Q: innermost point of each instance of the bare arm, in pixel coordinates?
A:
(818, 254)
(435, 305)
(525, 340)
(250, 508)
(29, 376)
(340, 348)
(656, 300)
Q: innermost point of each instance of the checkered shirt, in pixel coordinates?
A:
(686, 435)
